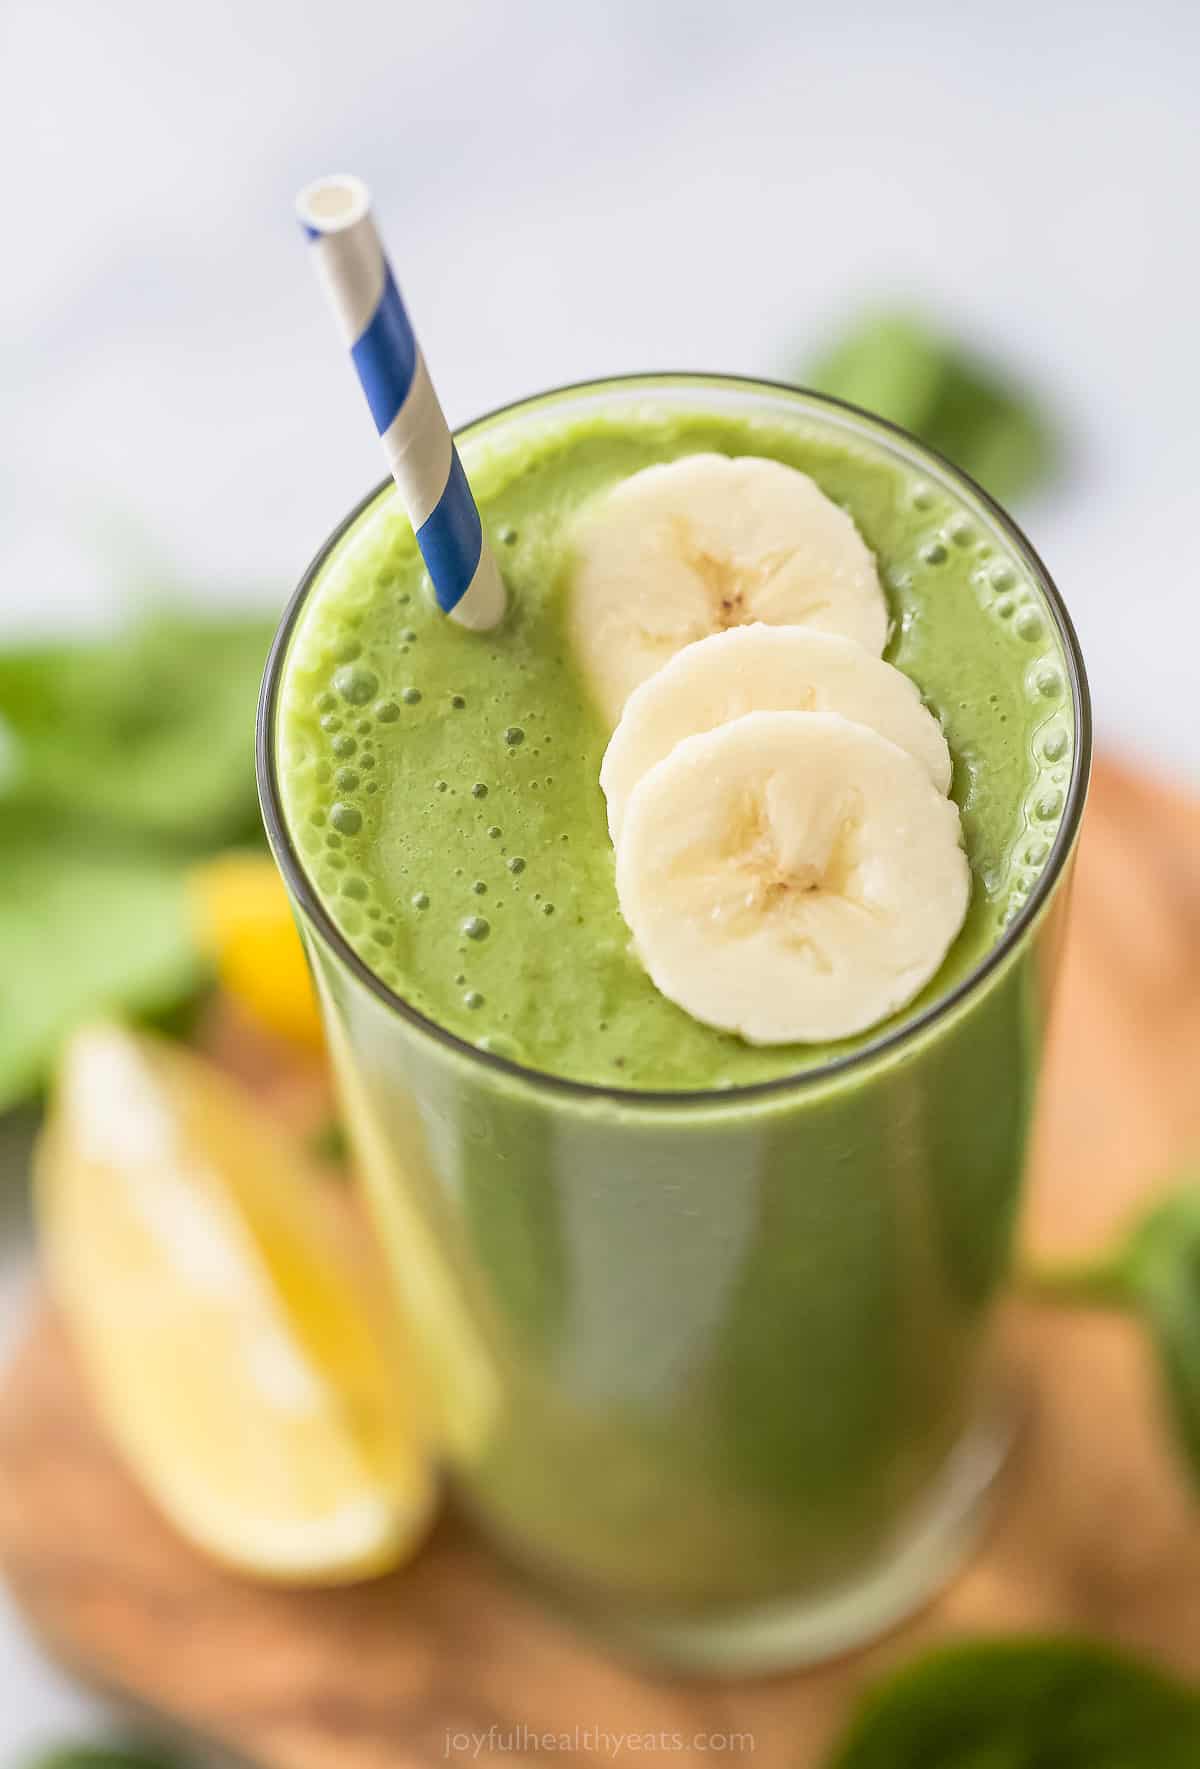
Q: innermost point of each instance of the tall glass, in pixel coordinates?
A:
(715, 1369)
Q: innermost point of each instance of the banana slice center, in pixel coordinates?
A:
(731, 582)
(776, 860)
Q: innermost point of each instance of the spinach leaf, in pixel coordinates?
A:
(1153, 1271)
(148, 731)
(1025, 1704)
(106, 1756)
(1161, 1260)
(978, 416)
(120, 759)
(84, 928)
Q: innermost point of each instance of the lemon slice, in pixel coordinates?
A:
(244, 924)
(236, 1340)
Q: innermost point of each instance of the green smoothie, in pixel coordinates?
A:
(712, 1361)
(444, 785)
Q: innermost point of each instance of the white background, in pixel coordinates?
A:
(570, 189)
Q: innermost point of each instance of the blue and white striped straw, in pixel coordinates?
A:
(336, 215)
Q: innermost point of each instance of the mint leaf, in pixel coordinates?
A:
(149, 732)
(910, 371)
(1025, 1704)
(83, 930)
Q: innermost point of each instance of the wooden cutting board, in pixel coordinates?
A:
(1096, 1533)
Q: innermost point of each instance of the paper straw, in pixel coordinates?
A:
(353, 269)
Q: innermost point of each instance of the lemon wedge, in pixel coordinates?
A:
(243, 924)
(238, 1343)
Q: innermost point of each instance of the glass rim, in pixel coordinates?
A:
(305, 896)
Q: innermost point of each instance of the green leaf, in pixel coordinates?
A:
(149, 731)
(106, 1756)
(1162, 1259)
(1025, 1704)
(886, 362)
(83, 930)
(977, 415)
(120, 759)
(1152, 1270)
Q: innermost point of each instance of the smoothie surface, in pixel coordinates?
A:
(441, 786)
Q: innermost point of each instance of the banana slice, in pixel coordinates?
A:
(697, 545)
(791, 876)
(765, 669)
